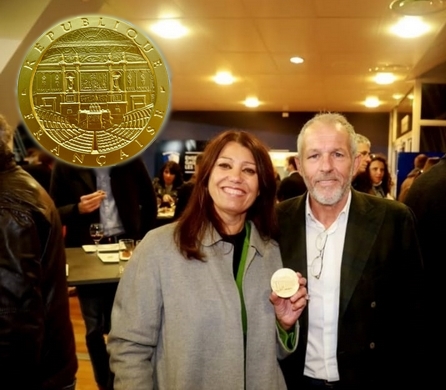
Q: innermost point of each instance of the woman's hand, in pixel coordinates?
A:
(168, 198)
(288, 310)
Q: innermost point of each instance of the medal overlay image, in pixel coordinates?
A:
(94, 91)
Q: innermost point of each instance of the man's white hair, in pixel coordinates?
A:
(362, 139)
(337, 120)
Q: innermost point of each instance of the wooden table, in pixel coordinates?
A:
(87, 268)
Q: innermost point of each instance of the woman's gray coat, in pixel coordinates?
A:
(176, 323)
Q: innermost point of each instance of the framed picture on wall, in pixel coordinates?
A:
(404, 113)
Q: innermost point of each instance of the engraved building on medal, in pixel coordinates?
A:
(93, 91)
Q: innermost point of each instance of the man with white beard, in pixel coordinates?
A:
(358, 254)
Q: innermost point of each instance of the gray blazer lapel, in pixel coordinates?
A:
(364, 222)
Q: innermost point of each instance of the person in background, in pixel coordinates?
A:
(32, 156)
(418, 162)
(37, 347)
(361, 178)
(380, 177)
(277, 177)
(362, 327)
(123, 200)
(290, 164)
(427, 199)
(292, 185)
(431, 161)
(41, 168)
(169, 180)
(194, 309)
(363, 147)
(185, 190)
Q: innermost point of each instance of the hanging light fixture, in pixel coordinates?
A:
(417, 7)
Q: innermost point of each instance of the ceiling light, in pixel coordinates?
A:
(170, 29)
(296, 60)
(372, 102)
(390, 68)
(397, 96)
(384, 78)
(410, 27)
(417, 7)
(251, 102)
(224, 78)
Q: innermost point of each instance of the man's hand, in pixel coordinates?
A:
(91, 202)
(288, 310)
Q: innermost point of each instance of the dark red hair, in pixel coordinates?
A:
(200, 212)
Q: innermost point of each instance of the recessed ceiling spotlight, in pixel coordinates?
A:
(397, 96)
(410, 27)
(384, 78)
(251, 102)
(170, 29)
(296, 60)
(224, 78)
(417, 7)
(372, 102)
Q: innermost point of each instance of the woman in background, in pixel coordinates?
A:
(194, 308)
(167, 183)
(381, 179)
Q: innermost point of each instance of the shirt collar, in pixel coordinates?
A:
(212, 237)
(310, 218)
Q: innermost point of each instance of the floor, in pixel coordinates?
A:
(85, 379)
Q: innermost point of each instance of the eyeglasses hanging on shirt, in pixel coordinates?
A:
(318, 262)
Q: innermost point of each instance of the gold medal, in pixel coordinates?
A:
(284, 282)
(94, 91)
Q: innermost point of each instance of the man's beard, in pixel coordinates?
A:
(328, 197)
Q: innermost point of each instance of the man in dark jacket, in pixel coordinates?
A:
(37, 348)
(427, 198)
(362, 326)
(292, 185)
(122, 198)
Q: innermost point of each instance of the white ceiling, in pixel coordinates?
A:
(340, 41)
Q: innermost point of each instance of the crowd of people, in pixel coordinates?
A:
(194, 308)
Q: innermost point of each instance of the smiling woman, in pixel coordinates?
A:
(233, 161)
(234, 185)
(189, 276)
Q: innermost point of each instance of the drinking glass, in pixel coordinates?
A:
(126, 248)
(96, 233)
